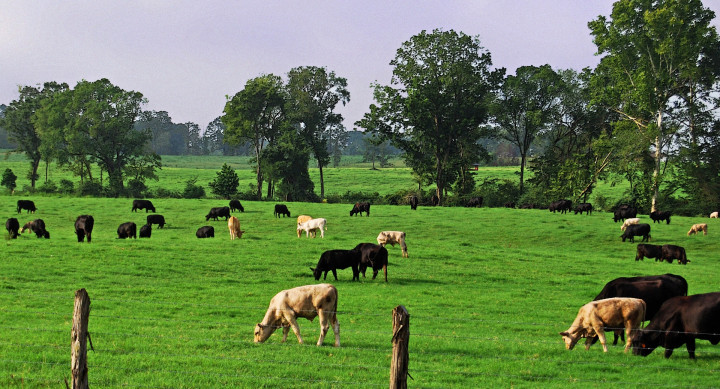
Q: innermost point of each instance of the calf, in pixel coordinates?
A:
(217, 212)
(146, 231)
(332, 260)
(361, 207)
(38, 227)
(474, 202)
(147, 205)
(281, 209)
(234, 227)
(649, 251)
(83, 227)
(393, 237)
(306, 301)
(583, 207)
(127, 230)
(624, 212)
(714, 215)
(156, 219)
(670, 252)
(414, 202)
(205, 232)
(12, 225)
(303, 219)
(373, 256)
(659, 216)
(627, 222)
(236, 206)
(313, 225)
(26, 205)
(697, 228)
(560, 205)
(594, 316)
(637, 230)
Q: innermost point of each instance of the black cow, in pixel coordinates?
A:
(583, 207)
(679, 321)
(670, 252)
(527, 206)
(83, 227)
(217, 212)
(659, 216)
(332, 260)
(361, 207)
(648, 250)
(12, 226)
(205, 232)
(147, 205)
(435, 200)
(27, 205)
(634, 230)
(374, 256)
(146, 231)
(560, 205)
(38, 227)
(509, 204)
(281, 209)
(475, 202)
(235, 205)
(127, 230)
(414, 202)
(156, 219)
(624, 212)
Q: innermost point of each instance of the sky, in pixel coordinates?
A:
(187, 57)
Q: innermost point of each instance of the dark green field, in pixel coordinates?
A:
(488, 290)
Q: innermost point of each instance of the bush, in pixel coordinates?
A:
(225, 183)
(136, 188)
(496, 192)
(66, 187)
(165, 193)
(90, 188)
(47, 187)
(193, 191)
(8, 180)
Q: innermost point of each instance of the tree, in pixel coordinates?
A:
(286, 162)
(313, 95)
(225, 183)
(653, 51)
(8, 180)
(436, 105)
(376, 149)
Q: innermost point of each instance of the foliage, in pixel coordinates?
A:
(225, 183)
(66, 187)
(496, 192)
(136, 188)
(48, 187)
(192, 190)
(9, 180)
(286, 162)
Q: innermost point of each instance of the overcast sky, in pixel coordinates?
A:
(185, 57)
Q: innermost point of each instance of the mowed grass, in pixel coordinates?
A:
(487, 290)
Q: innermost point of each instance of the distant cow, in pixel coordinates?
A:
(595, 316)
(127, 230)
(146, 231)
(637, 230)
(414, 202)
(235, 206)
(281, 209)
(627, 222)
(474, 202)
(83, 227)
(234, 227)
(205, 232)
(147, 205)
(697, 228)
(217, 212)
(12, 226)
(393, 237)
(648, 250)
(304, 301)
(714, 215)
(670, 252)
(624, 212)
(659, 216)
(26, 205)
(679, 321)
(361, 207)
(374, 256)
(509, 204)
(560, 205)
(302, 219)
(313, 225)
(156, 219)
(332, 260)
(583, 207)
(38, 227)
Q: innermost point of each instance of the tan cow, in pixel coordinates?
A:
(234, 227)
(304, 301)
(627, 222)
(393, 237)
(595, 316)
(311, 226)
(697, 228)
(714, 215)
(302, 219)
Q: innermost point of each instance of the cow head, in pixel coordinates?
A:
(316, 273)
(570, 339)
(643, 343)
(240, 233)
(262, 332)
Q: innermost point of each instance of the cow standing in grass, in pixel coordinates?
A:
(84, 227)
(594, 316)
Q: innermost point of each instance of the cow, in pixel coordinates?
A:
(583, 207)
(679, 321)
(205, 232)
(303, 219)
(281, 209)
(38, 227)
(361, 207)
(627, 222)
(714, 215)
(648, 250)
(414, 202)
(509, 204)
(83, 227)
(127, 230)
(313, 225)
(306, 301)
(393, 237)
(12, 225)
(637, 230)
(332, 260)
(474, 202)
(593, 317)
(527, 206)
(156, 219)
(659, 216)
(624, 212)
(146, 231)
(147, 205)
(435, 200)
(234, 227)
(697, 228)
(560, 205)
(217, 212)
(27, 205)
(235, 206)
(374, 256)
(670, 252)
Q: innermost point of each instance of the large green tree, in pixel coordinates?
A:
(436, 104)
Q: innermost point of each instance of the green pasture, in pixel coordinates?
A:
(487, 290)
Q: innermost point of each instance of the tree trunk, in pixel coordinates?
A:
(656, 168)
(34, 166)
(523, 158)
(322, 181)
(259, 172)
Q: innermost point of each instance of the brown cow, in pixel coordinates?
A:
(595, 316)
(302, 219)
(697, 228)
(234, 227)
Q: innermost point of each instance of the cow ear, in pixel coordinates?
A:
(564, 333)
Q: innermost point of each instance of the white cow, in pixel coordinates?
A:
(632, 220)
(312, 225)
(714, 215)
(393, 237)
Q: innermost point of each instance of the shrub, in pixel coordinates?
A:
(90, 188)
(193, 191)
(47, 187)
(165, 193)
(225, 183)
(136, 188)
(66, 187)
(496, 192)
(8, 180)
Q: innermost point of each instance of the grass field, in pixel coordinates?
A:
(487, 290)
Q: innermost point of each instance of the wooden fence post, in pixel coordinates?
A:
(78, 336)
(400, 356)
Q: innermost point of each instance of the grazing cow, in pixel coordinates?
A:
(38, 227)
(26, 205)
(583, 207)
(648, 250)
(435, 200)
(146, 231)
(156, 219)
(624, 212)
(127, 230)
(659, 216)
(373, 256)
(697, 228)
(670, 252)
(303, 219)
(235, 205)
(205, 232)
(361, 207)
(594, 316)
(332, 260)
(637, 230)
(12, 226)
(414, 202)
(475, 202)
(527, 206)
(313, 225)
(234, 227)
(306, 301)
(393, 237)
(147, 205)
(281, 209)
(560, 205)
(627, 222)
(679, 321)
(83, 227)
(714, 215)
(217, 212)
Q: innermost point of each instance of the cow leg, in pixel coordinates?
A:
(322, 233)
(375, 272)
(628, 334)
(80, 236)
(601, 335)
(335, 274)
(336, 328)
(286, 330)
(385, 270)
(295, 328)
(669, 351)
(690, 344)
(324, 325)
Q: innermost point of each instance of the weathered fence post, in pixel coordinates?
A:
(78, 336)
(400, 356)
